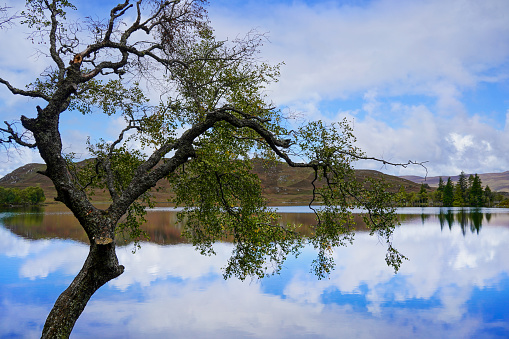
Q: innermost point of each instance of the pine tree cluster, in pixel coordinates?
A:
(466, 192)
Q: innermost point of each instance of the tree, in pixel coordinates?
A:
(462, 185)
(404, 197)
(28, 196)
(448, 196)
(475, 193)
(488, 196)
(458, 200)
(439, 196)
(212, 117)
(423, 194)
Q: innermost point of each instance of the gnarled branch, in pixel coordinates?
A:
(13, 136)
(32, 94)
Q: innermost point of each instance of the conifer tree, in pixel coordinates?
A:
(439, 195)
(448, 193)
(463, 185)
(488, 196)
(476, 192)
(423, 194)
(458, 200)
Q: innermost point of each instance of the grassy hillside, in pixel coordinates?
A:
(26, 176)
(281, 184)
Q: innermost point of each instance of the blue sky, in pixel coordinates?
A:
(423, 80)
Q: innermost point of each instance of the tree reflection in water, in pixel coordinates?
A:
(465, 218)
(55, 221)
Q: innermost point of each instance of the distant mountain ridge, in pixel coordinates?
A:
(281, 183)
(497, 181)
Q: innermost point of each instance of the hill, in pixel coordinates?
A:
(281, 183)
(498, 182)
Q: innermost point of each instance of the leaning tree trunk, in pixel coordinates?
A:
(100, 267)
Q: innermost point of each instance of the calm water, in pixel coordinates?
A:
(455, 285)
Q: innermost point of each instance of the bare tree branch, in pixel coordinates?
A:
(13, 136)
(121, 8)
(32, 94)
(53, 39)
(5, 18)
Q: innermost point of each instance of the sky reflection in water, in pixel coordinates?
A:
(456, 285)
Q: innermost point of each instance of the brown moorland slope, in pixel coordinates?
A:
(281, 183)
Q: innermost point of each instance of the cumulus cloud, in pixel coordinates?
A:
(449, 144)
(389, 53)
(11, 159)
(404, 47)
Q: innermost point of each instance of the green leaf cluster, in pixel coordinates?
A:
(110, 97)
(332, 151)
(222, 201)
(35, 15)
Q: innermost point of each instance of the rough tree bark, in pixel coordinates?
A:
(100, 267)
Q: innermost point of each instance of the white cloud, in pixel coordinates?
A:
(385, 51)
(13, 158)
(460, 142)
(449, 144)
(405, 47)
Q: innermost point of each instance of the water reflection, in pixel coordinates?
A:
(52, 221)
(56, 221)
(456, 285)
(466, 219)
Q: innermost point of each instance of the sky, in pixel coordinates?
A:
(421, 80)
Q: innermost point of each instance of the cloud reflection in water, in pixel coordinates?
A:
(174, 291)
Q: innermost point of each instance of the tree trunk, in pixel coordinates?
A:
(100, 267)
